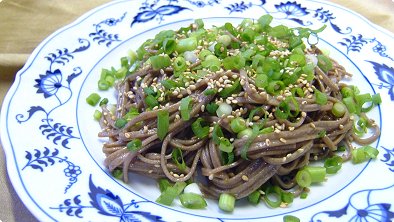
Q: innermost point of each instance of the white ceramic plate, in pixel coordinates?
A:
(54, 157)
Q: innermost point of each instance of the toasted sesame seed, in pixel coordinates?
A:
(291, 128)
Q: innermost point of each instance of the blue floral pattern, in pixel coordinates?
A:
(386, 75)
(356, 42)
(107, 203)
(52, 83)
(360, 208)
(42, 159)
(102, 36)
(292, 11)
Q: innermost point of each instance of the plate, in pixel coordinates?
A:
(54, 157)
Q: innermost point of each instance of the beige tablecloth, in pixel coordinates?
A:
(25, 23)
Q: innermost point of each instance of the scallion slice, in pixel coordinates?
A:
(163, 123)
(226, 202)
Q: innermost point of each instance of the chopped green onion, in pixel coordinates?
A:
(364, 153)
(234, 62)
(93, 99)
(321, 98)
(179, 64)
(227, 158)
(310, 174)
(186, 107)
(192, 201)
(261, 80)
(283, 110)
(303, 195)
(163, 123)
(226, 202)
(228, 91)
(303, 178)
(376, 99)
(264, 21)
(160, 61)
(272, 196)
(333, 164)
(254, 197)
(180, 186)
(248, 132)
(169, 45)
(103, 85)
(321, 134)
(347, 92)
(169, 84)
(255, 133)
(151, 101)
(274, 87)
(324, 63)
(164, 184)
(210, 92)
(177, 157)
(103, 102)
(225, 40)
(362, 99)
(117, 173)
(238, 124)
(225, 145)
(120, 123)
(290, 218)
(198, 129)
(134, 145)
(168, 196)
(187, 44)
(350, 104)
(97, 115)
(224, 109)
(217, 133)
(287, 197)
(338, 110)
(211, 108)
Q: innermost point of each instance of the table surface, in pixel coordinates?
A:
(17, 40)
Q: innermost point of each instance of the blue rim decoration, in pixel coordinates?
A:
(55, 84)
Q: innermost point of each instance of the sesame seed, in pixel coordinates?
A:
(283, 140)
(150, 171)
(312, 125)
(341, 126)
(303, 114)
(277, 131)
(291, 128)
(245, 178)
(210, 177)
(255, 118)
(268, 142)
(127, 135)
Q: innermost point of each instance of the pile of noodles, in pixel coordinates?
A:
(274, 157)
